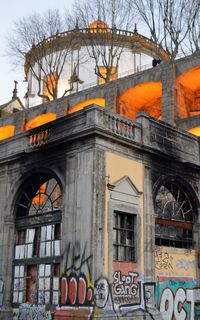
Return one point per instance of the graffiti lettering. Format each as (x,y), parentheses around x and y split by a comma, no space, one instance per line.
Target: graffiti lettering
(124,285)
(179,304)
(163,260)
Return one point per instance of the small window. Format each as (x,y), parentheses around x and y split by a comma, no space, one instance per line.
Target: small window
(124,237)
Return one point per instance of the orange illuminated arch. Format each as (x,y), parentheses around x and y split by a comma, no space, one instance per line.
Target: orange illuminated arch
(98,101)
(195,131)
(188,93)
(6,132)
(40,120)
(143,97)
(190,79)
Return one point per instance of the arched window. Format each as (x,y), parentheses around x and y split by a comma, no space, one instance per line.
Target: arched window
(175,214)
(38,236)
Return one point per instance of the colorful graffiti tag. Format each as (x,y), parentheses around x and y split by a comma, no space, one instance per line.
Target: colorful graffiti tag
(177,299)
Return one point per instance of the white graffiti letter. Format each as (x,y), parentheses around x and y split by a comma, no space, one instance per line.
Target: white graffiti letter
(179,311)
(167,304)
(190,299)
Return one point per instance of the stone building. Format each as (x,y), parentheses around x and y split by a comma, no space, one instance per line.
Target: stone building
(100,202)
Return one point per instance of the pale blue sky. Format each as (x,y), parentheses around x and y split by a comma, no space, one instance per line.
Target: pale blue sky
(11,11)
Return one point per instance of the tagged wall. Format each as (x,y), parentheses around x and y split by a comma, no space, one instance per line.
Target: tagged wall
(177,294)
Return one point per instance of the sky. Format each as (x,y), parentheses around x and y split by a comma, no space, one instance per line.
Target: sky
(10,12)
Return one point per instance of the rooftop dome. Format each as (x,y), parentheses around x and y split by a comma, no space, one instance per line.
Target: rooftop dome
(98,24)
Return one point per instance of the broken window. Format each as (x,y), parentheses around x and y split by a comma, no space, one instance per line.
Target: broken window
(123,237)
(174,217)
(37,248)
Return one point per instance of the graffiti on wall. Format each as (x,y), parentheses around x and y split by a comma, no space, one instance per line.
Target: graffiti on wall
(1,292)
(125,288)
(32,312)
(75,258)
(163,260)
(177,295)
(177,299)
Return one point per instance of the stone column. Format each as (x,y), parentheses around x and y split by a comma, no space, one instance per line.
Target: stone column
(149,226)
(168,93)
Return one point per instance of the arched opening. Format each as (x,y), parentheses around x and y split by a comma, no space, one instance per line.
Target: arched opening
(188,93)
(83,104)
(40,120)
(36,265)
(7,132)
(143,97)
(175,214)
(195,131)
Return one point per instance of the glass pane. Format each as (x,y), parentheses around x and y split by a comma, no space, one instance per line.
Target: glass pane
(15,296)
(47,284)
(29,251)
(47,270)
(129,254)
(48,248)
(16,284)
(41,270)
(47,297)
(49,232)
(43,233)
(57,247)
(41,283)
(30,235)
(129,222)
(16,273)
(55,297)
(55,283)
(42,249)
(21,284)
(20,299)
(121,253)
(21,271)
(122,236)
(19,251)
(129,237)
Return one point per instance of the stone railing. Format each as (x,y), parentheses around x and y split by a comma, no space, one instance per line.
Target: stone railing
(38,137)
(121,127)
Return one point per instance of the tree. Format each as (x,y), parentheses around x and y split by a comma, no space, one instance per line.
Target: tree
(168,21)
(37,40)
(99,28)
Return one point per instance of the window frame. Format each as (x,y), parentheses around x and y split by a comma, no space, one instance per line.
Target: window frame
(118,229)
(31,222)
(172,230)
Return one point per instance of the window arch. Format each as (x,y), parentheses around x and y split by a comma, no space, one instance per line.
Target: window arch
(175,214)
(38,238)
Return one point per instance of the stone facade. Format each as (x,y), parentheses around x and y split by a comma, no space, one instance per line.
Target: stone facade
(108,169)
